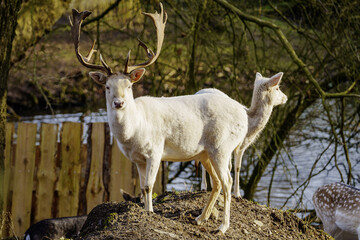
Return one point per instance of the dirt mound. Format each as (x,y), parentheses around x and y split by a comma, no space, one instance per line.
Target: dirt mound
(174,215)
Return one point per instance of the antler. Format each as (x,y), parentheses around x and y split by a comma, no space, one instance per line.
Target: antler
(75,24)
(159,22)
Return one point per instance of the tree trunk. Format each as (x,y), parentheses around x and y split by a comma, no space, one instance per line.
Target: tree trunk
(191,85)
(8,21)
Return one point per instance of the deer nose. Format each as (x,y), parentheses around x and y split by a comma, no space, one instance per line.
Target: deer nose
(118,103)
(285,99)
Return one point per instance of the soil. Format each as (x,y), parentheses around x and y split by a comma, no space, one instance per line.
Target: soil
(174,215)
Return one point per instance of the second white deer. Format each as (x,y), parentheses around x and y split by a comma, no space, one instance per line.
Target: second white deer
(205,127)
(266,95)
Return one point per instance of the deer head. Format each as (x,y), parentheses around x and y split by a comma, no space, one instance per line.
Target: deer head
(268,90)
(118,85)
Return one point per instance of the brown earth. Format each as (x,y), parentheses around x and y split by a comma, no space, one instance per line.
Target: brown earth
(174,215)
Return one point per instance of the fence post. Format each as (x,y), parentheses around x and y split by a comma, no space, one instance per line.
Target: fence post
(95,187)
(120,174)
(68,186)
(46,174)
(23,176)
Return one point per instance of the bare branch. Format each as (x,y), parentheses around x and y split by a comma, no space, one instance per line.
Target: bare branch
(288,47)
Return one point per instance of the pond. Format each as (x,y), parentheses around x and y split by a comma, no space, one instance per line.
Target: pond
(291,172)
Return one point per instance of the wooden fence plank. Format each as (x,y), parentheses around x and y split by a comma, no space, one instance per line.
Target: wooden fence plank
(95,187)
(46,174)
(68,186)
(24,176)
(121,176)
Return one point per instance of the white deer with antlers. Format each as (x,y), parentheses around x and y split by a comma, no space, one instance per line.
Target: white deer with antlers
(148,130)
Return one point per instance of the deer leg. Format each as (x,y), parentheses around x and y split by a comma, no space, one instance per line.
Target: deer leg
(226,185)
(142,173)
(221,166)
(152,168)
(203,178)
(214,192)
(331,228)
(238,159)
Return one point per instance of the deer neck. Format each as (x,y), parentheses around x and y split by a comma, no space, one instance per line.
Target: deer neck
(123,122)
(258,116)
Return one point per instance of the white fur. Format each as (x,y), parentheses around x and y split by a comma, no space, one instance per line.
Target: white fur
(338,207)
(266,95)
(204,127)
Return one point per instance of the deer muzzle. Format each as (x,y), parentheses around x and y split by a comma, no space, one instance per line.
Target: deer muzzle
(118,103)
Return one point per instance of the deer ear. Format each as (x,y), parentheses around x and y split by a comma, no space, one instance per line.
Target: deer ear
(275,80)
(98,77)
(137,74)
(258,75)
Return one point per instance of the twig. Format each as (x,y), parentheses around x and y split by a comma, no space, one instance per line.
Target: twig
(103,14)
(345,147)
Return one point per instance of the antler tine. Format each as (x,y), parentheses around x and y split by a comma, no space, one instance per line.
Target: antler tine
(159,22)
(108,69)
(92,50)
(127,62)
(75,23)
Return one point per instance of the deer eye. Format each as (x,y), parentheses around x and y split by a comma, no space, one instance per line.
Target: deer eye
(107,88)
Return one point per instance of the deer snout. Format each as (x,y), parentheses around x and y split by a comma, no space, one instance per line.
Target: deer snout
(118,103)
(284,99)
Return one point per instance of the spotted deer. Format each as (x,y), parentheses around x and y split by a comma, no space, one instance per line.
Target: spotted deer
(204,127)
(338,207)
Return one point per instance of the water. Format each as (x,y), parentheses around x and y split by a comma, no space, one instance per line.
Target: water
(85,118)
(293,168)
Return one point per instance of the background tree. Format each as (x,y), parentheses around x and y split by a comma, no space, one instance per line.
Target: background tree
(22,25)
(8,21)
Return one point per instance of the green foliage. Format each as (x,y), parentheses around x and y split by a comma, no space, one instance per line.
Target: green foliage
(110,219)
(35,19)
(154,195)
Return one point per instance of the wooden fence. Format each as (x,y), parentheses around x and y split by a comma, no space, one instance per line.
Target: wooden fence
(47,178)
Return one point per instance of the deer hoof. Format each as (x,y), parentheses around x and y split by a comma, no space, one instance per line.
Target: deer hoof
(199,220)
(222,229)
(217,232)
